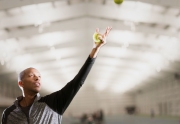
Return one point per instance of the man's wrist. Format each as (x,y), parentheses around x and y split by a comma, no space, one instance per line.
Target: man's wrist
(97,46)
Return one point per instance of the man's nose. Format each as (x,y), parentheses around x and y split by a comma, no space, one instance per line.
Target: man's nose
(37,78)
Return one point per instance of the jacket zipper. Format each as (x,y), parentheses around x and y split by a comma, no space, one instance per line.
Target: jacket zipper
(25,115)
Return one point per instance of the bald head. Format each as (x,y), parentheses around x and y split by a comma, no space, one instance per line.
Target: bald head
(22,73)
(29,80)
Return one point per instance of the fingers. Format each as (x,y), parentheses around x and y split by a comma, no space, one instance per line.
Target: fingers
(99,35)
(108,29)
(97,30)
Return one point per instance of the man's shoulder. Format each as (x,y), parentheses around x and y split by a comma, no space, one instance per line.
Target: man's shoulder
(9,109)
(6,112)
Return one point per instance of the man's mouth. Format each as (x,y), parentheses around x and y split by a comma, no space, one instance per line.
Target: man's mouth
(37,84)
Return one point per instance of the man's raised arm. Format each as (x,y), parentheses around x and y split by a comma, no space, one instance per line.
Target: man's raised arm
(60,100)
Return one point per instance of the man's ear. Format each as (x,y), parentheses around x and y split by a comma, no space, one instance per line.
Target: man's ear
(20,83)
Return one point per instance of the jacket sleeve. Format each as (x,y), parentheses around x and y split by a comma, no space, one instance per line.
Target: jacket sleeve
(60,100)
(5,114)
(2,119)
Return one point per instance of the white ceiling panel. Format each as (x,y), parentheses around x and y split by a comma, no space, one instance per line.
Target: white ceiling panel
(56,38)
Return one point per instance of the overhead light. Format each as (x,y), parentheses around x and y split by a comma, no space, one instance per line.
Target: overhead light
(54,53)
(131,24)
(42,25)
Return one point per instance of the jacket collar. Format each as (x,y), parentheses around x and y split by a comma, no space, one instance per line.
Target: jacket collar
(18,99)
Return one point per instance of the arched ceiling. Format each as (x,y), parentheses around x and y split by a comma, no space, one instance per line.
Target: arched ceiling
(55,36)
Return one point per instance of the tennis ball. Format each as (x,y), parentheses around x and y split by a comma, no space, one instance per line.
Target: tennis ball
(118,1)
(96,37)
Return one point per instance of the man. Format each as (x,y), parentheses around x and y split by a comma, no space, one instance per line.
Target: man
(33,109)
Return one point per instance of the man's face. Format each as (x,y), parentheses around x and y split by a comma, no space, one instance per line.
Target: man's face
(31,80)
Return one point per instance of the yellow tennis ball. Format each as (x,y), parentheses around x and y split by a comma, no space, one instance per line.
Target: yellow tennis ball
(96,37)
(118,1)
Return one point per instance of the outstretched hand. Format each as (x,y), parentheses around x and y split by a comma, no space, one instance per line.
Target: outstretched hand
(102,37)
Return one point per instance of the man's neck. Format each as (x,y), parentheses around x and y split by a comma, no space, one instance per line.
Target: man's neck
(27,100)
